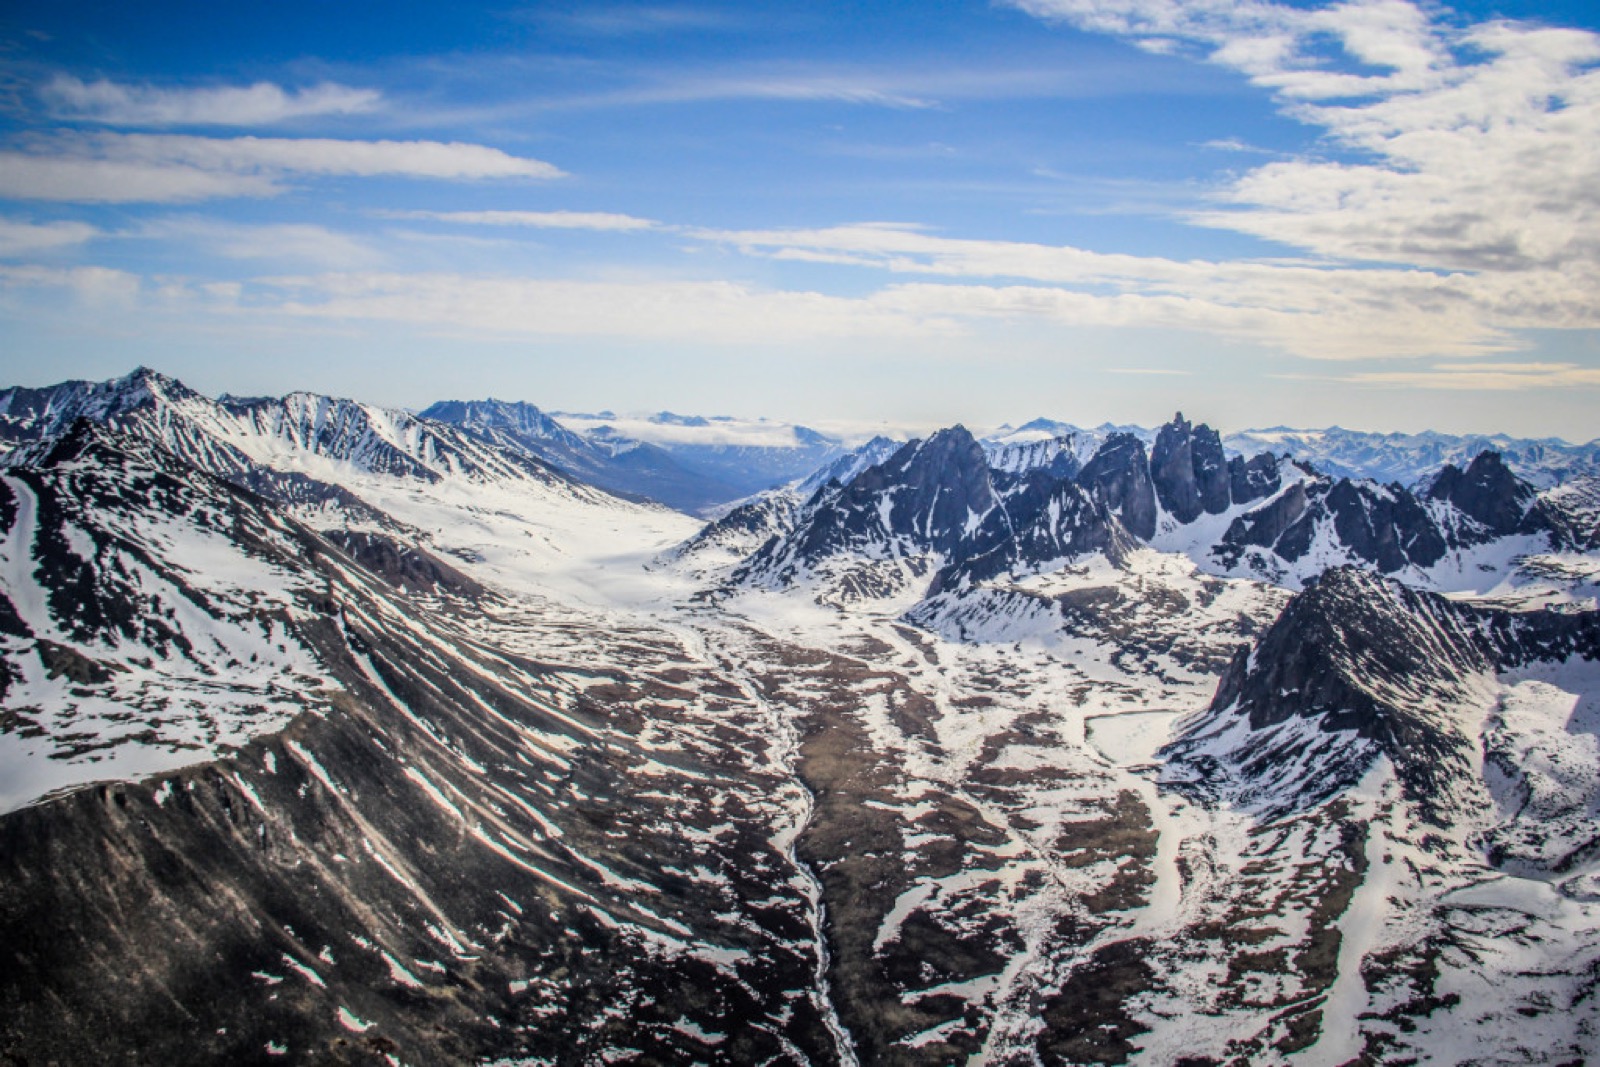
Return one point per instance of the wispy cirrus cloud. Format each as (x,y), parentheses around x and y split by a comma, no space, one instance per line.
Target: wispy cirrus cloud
(713,312)
(99,286)
(260,104)
(546,220)
(296,244)
(864,88)
(169,168)
(632,20)
(18,238)
(1486,377)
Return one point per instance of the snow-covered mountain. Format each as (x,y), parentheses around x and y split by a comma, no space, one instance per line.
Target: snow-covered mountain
(933,513)
(333,734)
(924,516)
(1407,459)
(318,436)
(626,467)
(1412,458)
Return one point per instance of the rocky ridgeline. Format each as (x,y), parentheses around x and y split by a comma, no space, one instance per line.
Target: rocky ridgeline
(635,469)
(944,505)
(1359,666)
(940,499)
(384,834)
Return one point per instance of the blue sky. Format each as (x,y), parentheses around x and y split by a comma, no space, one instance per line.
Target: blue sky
(1376,213)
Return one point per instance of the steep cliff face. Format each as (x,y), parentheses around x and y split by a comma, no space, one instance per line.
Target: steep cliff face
(1189,470)
(1487,492)
(1040,520)
(1118,476)
(939,506)
(1320,520)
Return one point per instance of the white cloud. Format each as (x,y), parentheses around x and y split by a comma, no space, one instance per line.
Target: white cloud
(554,220)
(631,20)
(712,312)
(168,168)
(1312,309)
(287,243)
(1340,330)
(27,238)
(801,85)
(1481,144)
(76,179)
(321,155)
(1486,377)
(726,312)
(260,104)
(90,285)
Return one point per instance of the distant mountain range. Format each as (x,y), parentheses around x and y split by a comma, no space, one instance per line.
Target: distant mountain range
(1380,457)
(1410,458)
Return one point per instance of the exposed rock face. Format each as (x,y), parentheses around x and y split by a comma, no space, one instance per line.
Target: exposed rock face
(921,500)
(1057,456)
(1189,471)
(742,530)
(1385,526)
(931,487)
(1364,656)
(939,498)
(1041,519)
(31,414)
(1486,491)
(404,566)
(415,842)
(1119,477)
(1255,478)
(1571,514)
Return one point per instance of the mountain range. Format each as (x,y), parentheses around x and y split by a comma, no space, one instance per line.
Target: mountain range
(339,734)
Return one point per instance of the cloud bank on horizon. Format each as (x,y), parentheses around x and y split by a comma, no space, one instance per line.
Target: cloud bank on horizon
(1356,205)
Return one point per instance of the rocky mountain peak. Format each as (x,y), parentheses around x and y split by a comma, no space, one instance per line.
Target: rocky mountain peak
(26,414)
(931,487)
(518,418)
(1118,475)
(1189,470)
(1355,654)
(1487,491)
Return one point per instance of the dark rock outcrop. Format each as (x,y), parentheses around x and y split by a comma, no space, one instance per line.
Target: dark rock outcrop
(445,853)
(1189,470)
(1118,476)
(1255,478)
(1362,655)
(940,498)
(1486,491)
(1042,519)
